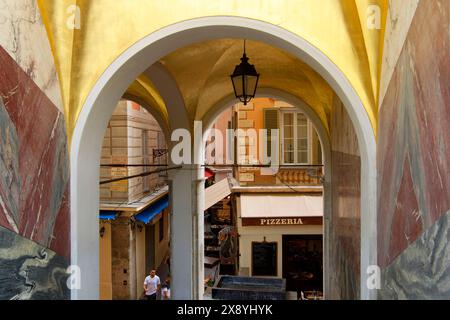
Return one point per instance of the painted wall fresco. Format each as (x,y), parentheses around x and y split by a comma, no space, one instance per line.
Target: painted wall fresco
(34,162)
(413,166)
(345,222)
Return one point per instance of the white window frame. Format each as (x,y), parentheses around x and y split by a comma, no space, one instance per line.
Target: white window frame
(309,137)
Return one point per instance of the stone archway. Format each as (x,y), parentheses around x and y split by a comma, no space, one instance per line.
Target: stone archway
(324,138)
(99,105)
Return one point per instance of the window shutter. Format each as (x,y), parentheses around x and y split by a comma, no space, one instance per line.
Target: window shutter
(270,119)
(270,122)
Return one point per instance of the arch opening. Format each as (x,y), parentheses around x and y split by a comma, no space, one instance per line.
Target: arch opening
(98,107)
(324,140)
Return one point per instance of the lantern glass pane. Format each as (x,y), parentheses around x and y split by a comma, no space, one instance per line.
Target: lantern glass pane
(250,84)
(237,84)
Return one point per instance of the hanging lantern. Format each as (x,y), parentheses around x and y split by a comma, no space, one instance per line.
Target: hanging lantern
(245,80)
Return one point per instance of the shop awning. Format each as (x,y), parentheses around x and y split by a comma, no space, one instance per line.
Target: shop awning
(216,192)
(208,173)
(107,215)
(153,210)
(276,206)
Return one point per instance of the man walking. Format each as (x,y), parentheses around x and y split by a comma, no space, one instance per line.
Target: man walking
(152,285)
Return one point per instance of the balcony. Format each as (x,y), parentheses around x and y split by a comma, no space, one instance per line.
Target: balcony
(289,176)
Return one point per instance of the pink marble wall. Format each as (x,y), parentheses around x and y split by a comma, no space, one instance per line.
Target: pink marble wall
(414,145)
(345,222)
(34,190)
(34,162)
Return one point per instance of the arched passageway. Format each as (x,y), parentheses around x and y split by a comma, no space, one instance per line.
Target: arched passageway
(325,144)
(187,208)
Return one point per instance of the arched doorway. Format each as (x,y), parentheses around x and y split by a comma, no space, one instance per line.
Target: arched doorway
(324,139)
(98,107)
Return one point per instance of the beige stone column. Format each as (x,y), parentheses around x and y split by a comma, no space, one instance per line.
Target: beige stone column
(187,230)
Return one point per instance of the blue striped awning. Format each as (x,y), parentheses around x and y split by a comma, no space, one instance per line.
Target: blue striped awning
(108,215)
(153,210)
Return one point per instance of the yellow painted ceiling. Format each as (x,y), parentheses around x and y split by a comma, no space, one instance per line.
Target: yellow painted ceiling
(144,89)
(202,73)
(109,27)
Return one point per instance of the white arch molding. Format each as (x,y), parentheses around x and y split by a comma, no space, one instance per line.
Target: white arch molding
(99,105)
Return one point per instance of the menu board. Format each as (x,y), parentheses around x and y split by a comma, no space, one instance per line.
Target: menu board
(264,258)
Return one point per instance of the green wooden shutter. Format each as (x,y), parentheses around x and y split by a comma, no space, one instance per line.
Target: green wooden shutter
(270,122)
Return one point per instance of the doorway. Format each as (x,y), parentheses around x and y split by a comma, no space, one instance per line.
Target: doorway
(303,262)
(92,120)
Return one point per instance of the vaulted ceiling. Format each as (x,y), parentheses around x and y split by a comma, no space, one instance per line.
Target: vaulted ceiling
(202,71)
(104,29)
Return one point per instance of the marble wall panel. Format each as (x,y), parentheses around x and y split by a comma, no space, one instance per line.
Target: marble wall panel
(34,165)
(343,136)
(414,139)
(345,222)
(398,21)
(29,270)
(34,160)
(408,277)
(24,37)
(9,167)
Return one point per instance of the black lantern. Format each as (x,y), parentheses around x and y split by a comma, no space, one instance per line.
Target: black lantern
(245,80)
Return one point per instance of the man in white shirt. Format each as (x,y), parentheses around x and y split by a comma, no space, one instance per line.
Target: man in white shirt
(152,285)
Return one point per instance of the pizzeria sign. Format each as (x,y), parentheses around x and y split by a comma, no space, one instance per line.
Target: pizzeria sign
(281,221)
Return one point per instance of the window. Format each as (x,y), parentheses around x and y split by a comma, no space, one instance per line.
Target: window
(264,259)
(295,138)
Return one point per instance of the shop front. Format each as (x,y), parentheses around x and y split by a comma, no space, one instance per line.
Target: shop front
(280,235)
